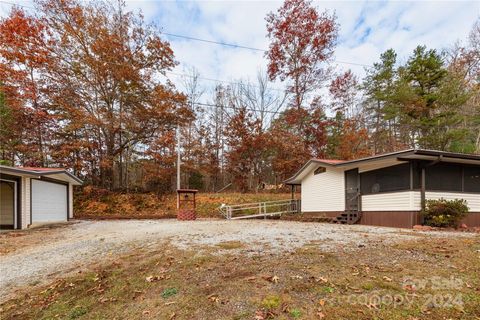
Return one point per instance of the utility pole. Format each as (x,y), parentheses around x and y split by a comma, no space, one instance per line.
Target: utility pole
(178,165)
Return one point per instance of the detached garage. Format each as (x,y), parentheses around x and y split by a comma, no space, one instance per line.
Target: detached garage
(35,195)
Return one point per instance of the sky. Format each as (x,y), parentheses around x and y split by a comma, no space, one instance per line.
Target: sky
(366,30)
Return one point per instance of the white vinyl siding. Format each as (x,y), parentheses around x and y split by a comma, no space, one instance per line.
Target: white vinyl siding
(473,200)
(390,201)
(324,191)
(411,200)
(49,201)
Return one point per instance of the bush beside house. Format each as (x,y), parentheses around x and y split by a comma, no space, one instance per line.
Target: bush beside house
(445,213)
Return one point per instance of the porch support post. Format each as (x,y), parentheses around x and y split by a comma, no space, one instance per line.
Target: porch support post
(422,193)
(292,187)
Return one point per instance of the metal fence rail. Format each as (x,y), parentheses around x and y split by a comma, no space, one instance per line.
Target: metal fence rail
(259,209)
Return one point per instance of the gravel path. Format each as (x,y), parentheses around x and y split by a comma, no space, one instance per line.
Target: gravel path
(76,246)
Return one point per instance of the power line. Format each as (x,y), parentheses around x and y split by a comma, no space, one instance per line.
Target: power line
(203,104)
(248,48)
(234,108)
(214,42)
(237,46)
(223,81)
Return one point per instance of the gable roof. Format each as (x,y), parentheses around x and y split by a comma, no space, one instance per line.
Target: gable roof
(403,155)
(41,172)
(329,161)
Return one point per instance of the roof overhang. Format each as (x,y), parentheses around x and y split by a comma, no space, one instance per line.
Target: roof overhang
(59,174)
(441,156)
(307,167)
(404,155)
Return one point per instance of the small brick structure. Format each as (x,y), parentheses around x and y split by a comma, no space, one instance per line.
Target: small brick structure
(186,204)
(185,214)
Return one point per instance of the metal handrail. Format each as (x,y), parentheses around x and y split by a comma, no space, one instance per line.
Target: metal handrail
(260,209)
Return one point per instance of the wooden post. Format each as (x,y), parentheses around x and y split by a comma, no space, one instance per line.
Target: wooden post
(292,187)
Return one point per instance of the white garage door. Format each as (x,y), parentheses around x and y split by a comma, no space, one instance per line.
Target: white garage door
(49,201)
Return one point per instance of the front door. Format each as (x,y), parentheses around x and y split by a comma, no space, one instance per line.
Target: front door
(352,188)
(7,204)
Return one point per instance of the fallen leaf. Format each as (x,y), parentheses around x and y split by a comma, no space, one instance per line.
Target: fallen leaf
(214,298)
(153,278)
(273,278)
(387,279)
(259,315)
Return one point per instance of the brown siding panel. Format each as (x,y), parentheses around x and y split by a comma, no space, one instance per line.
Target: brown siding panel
(472,220)
(396,219)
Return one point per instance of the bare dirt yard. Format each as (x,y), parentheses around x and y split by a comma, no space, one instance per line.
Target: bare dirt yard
(213,269)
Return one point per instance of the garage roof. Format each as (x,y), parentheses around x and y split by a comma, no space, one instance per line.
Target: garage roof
(37,172)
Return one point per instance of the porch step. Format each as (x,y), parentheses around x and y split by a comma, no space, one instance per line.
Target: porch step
(348,217)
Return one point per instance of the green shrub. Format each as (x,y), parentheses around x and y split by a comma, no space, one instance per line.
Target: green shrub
(445,213)
(167,293)
(77,312)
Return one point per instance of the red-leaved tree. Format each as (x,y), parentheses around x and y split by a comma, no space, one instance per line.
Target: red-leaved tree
(302,40)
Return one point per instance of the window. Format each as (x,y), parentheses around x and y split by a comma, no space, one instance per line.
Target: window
(444,177)
(320,170)
(388,179)
(471,179)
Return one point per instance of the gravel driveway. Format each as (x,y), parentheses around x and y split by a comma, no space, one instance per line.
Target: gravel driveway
(60,251)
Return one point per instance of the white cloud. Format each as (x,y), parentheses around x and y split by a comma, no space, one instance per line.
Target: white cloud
(366,30)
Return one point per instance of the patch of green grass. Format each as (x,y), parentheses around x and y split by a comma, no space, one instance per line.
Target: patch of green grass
(296,313)
(271,302)
(169,292)
(327,289)
(77,312)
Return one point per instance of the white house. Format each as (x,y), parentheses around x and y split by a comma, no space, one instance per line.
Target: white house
(35,195)
(389,189)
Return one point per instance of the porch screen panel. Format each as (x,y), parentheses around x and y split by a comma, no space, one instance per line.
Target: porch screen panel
(471,179)
(444,177)
(388,179)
